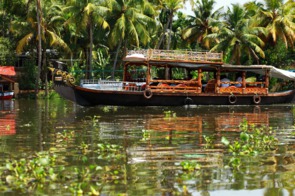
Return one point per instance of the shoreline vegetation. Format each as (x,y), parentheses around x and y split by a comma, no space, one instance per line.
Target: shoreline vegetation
(95,35)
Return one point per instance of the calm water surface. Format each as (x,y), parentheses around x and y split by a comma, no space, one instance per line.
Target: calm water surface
(154,142)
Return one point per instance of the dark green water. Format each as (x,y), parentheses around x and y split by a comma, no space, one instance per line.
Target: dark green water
(153,145)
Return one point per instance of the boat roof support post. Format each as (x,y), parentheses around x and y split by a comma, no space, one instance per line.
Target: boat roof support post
(125,72)
(217,81)
(267,78)
(200,75)
(148,74)
(218,78)
(167,77)
(243,79)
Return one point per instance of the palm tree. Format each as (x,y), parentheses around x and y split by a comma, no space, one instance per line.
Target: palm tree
(41,31)
(131,24)
(238,38)
(88,15)
(39,35)
(278,18)
(205,22)
(169,8)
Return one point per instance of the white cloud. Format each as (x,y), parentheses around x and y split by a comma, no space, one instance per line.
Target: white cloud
(218,4)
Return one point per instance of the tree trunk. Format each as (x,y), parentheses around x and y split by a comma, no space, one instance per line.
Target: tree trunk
(39,47)
(44,68)
(163,35)
(170,30)
(90,49)
(116,59)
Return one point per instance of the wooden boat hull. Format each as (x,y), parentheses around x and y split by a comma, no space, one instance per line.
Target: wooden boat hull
(91,97)
(6,95)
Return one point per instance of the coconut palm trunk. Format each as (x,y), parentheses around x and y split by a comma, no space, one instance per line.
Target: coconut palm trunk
(116,58)
(170,31)
(90,49)
(39,47)
(44,70)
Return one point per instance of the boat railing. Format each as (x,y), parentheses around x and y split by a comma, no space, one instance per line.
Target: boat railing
(179,55)
(98,84)
(180,86)
(250,88)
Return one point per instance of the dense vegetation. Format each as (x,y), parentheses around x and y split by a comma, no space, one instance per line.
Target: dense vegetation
(95,34)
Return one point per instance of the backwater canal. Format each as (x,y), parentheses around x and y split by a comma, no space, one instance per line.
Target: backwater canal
(54,147)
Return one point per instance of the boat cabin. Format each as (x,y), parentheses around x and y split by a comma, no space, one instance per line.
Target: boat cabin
(8,80)
(191,72)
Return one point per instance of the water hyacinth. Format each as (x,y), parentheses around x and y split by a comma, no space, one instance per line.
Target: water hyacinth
(252,141)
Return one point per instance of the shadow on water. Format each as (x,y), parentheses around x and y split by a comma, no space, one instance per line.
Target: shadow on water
(156,142)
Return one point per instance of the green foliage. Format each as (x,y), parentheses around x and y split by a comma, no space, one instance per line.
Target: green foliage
(169,114)
(190,166)
(27,79)
(43,169)
(27,172)
(252,141)
(146,135)
(6,55)
(278,55)
(69,26)
(209,140)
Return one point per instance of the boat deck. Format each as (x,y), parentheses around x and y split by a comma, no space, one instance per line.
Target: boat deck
(175,55)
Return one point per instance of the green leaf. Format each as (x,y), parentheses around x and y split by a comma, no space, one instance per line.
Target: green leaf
(225,141)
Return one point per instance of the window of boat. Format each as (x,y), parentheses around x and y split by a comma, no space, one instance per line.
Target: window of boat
(158,73)
(136,73)
(172,73)
(179,73)
(208,75)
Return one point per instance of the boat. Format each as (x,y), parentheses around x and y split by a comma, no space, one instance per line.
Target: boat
(176,77)
(6,95)
(6,82)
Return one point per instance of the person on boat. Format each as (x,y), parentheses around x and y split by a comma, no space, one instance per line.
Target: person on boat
(225,82)
(239,80)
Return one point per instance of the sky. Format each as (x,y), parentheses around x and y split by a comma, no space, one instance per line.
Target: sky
(218,4)
(227,3)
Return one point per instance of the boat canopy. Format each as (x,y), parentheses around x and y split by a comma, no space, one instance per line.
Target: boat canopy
(205,60)
(7,71)
(260,69)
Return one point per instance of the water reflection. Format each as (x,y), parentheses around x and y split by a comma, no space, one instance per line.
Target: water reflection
(156,145)
(7,118)
(155,142)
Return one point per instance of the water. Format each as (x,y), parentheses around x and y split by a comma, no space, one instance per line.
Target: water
(150,146)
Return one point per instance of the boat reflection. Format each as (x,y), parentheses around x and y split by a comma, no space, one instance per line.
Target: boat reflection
(177,137)
(7,118)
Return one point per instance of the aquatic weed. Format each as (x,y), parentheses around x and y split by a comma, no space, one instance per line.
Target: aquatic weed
(169,114)
(253,140)
(26,172)
(209,140)
(93,120)
(146,135)
(190,166)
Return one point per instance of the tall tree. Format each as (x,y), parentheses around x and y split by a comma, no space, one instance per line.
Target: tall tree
(39,48)
(238,38)
(88,15)
(279,20)
(168,10)
(132,21)
(204,22)
(41,32)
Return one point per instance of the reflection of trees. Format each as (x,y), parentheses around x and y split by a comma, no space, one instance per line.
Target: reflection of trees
(170,142)
(153,146)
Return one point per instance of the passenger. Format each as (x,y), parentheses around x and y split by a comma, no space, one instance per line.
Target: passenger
(226,80)
(239,79)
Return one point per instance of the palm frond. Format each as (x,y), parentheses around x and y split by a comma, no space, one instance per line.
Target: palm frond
(55,40)
(24,42)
